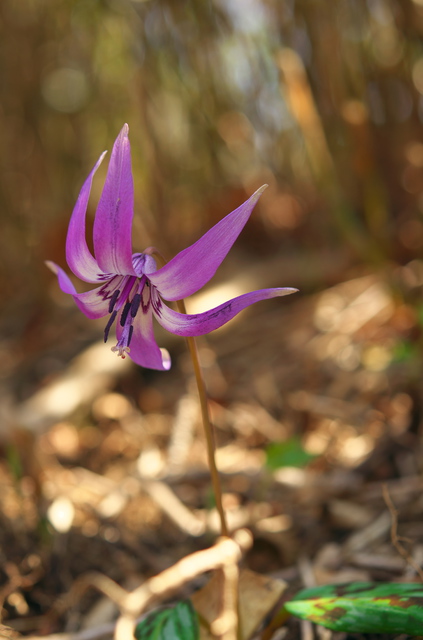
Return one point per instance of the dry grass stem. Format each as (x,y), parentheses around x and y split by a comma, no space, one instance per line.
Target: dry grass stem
(169,502)
(395,538)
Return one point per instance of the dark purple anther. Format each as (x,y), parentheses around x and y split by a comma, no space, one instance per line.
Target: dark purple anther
(124,315)
(109,324)
(113,299)
(135,304)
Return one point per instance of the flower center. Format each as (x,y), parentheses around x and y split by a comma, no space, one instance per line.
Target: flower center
(129,293)
(125,305)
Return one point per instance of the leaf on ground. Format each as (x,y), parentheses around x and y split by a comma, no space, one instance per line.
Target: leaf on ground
(287,454)
(173,623)
(257,596)
(362,607)
(7,633)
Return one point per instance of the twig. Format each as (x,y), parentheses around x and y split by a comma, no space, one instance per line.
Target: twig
(95,633)
(226,552)
(99,581)
(309,580)
(226,625)
(395,538)
(169,502)
(17,581)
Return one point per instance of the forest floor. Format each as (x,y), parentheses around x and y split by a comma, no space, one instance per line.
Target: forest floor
(316,403)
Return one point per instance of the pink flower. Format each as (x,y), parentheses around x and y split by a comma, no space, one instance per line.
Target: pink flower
(131,287)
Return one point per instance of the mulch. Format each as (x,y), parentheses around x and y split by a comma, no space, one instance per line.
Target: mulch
(104,468)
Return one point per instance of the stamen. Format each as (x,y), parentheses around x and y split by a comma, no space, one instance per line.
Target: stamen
(135,304)
(125,314)
(131,331)
(113,299)
(109,325)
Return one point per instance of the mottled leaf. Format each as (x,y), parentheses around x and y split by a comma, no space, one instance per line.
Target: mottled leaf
(287,454)
(173,623)
(362,607)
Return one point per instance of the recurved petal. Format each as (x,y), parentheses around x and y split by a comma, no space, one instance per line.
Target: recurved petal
(78,256)
(92,303)
(113,220)
(188,271)
(201,323)
(143,348)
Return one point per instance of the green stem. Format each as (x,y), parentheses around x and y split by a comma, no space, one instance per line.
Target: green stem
(208,429)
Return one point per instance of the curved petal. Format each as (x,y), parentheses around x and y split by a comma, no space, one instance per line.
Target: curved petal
(201,323)
(113,219)
(94,303)
(78,256)
(188,271)
(143,348)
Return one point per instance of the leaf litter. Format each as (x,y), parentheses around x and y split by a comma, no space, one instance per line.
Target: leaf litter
(113,478)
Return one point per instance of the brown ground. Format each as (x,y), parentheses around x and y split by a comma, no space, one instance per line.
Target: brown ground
(106,469)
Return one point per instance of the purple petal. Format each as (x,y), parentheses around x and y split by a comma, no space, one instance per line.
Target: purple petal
(113,220)
(201,323)
(188,271)
(143,347)
(95,303)
(78,256)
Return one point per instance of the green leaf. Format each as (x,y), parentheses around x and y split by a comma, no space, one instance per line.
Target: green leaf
(404,351)
(173,623)
(287,454)
(15,462)
(420,314)
(362,607)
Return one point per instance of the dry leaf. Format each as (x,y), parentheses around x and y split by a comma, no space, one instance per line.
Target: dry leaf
(257,596)
(6,633)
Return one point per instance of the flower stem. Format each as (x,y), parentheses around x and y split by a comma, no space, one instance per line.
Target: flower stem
(208,429)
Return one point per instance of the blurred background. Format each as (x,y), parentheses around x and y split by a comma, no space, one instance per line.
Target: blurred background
(323,101)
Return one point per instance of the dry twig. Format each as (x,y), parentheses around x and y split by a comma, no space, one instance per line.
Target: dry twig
(225,553)
(395,538)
